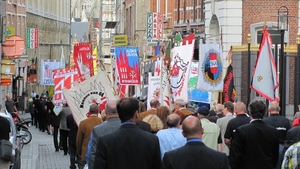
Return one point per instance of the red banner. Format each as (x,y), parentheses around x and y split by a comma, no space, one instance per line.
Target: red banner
(64,79)
(83,60)
(128,65)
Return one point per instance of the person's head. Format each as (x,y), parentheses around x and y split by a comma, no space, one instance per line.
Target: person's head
(162,112)
(228,107)
(179,103)
(103,115)
(192,128)
(50,99)
(94,109)
(127,108)
(297,115)
(274,107)
(154,103)
(7,96)
(173,120)
(219,108)
(239,108)
(111,108)
(37,96)
(203,112)
(257,109)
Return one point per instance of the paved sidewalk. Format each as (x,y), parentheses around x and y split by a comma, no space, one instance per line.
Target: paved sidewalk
(40,152)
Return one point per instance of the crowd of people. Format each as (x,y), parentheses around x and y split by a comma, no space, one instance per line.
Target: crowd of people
(128,135)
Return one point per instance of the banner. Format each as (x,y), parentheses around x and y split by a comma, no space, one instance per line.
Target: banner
(154,30)
(182,58)
(96,89)
(120,90)
(153,89)
(210,68)
(83,60)
(265,80)
(128,65)
(229,93)
(32,38)
(62,58)
(95,61)
(193,93)
(64,79)
(165,99)
(46,75)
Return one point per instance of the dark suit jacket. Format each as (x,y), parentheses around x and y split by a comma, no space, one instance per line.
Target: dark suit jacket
(128,148)
(195,155)
(144,126)
(256,146)
(292,136)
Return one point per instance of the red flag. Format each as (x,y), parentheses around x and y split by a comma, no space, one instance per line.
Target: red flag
(83,59)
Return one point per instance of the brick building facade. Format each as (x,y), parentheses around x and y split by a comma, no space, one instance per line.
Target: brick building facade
(256,13)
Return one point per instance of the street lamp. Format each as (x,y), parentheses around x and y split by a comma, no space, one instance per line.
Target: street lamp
(283,14)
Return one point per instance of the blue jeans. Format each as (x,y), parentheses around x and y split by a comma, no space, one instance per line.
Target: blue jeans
(280,157)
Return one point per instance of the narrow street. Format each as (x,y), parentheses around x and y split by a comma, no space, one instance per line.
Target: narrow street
(40,152)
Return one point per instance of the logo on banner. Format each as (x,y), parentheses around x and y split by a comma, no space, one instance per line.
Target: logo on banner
(212,67)
(179,71)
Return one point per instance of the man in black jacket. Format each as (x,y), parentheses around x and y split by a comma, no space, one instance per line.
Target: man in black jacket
(256,144)
(128,147)
(194,154)
(72,140)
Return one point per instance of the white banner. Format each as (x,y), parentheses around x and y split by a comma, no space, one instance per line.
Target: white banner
(181,60)
(264,80)
(165,99)
(96,89)
(210,68)
(153,89)
(46,75)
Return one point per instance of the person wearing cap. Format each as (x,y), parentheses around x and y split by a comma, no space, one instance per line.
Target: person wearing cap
(194,154)
(233,124)
(256,144)
(128,146)
(212,134)
(180,105)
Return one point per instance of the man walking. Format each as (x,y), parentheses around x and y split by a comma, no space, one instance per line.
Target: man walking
(171,138)
(128,147)
(10,104)
(83,135)
(212,135)
(194,154)
(281,124)
(222,123)
(72,140)
(233,124)
(112,124)
(255,144)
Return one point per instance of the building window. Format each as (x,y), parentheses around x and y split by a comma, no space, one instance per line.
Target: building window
(8,19)
(275,36)
(19,25)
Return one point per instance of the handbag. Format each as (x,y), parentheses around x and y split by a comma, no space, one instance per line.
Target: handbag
(5,150)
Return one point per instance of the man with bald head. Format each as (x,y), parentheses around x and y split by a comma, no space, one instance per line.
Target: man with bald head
(180,105)
(171,138)
(10,104)
(188,155)
(282,125)
(241,119)
(154,104)
(112,124)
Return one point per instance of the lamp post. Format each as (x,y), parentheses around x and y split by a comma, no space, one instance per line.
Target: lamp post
(283,13)
(297,76)
(249,65)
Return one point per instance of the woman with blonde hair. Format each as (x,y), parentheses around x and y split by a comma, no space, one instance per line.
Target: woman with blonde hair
(162,113)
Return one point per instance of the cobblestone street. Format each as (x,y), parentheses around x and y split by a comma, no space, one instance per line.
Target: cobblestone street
(40,152)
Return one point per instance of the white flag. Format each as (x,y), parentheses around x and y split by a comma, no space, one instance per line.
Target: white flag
(264,80)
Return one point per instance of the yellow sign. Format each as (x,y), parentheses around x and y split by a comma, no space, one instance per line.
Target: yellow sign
(10,31)
(120,40)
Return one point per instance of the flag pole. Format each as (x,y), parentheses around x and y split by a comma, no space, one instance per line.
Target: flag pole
(249,72)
